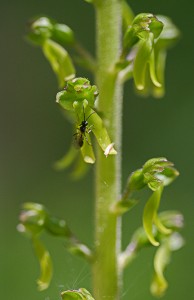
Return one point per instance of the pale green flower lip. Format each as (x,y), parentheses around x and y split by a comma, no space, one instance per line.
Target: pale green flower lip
(110,150)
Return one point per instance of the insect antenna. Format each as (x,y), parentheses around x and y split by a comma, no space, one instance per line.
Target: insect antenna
(84,114)
(90,115)
(85,119)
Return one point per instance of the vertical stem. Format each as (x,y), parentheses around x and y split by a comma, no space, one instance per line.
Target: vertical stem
(108,170)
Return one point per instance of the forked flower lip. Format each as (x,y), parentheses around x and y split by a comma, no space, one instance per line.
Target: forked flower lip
(89,160)
(110,150)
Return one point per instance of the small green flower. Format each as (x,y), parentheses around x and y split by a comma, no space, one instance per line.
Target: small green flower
(44,28)
(81,294)
(155,172)
(52,37)
(79,97)
(144,47)
(77,91)
(32,218)
(142,25)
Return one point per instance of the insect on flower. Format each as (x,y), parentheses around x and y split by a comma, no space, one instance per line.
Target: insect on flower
(82,131)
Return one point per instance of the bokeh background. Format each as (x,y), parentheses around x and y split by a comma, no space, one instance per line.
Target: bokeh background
(34,133)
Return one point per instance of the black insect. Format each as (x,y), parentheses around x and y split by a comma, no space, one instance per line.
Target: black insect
(82,130)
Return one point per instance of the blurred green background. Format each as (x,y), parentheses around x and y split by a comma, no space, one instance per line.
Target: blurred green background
(34,134)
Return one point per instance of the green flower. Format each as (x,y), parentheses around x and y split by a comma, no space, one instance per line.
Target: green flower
(78,97)
(44,28)
(144,47)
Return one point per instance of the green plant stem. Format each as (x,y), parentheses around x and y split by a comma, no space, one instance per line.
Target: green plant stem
(106,276)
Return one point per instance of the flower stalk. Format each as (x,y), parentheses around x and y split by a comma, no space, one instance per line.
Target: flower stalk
(106,277)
